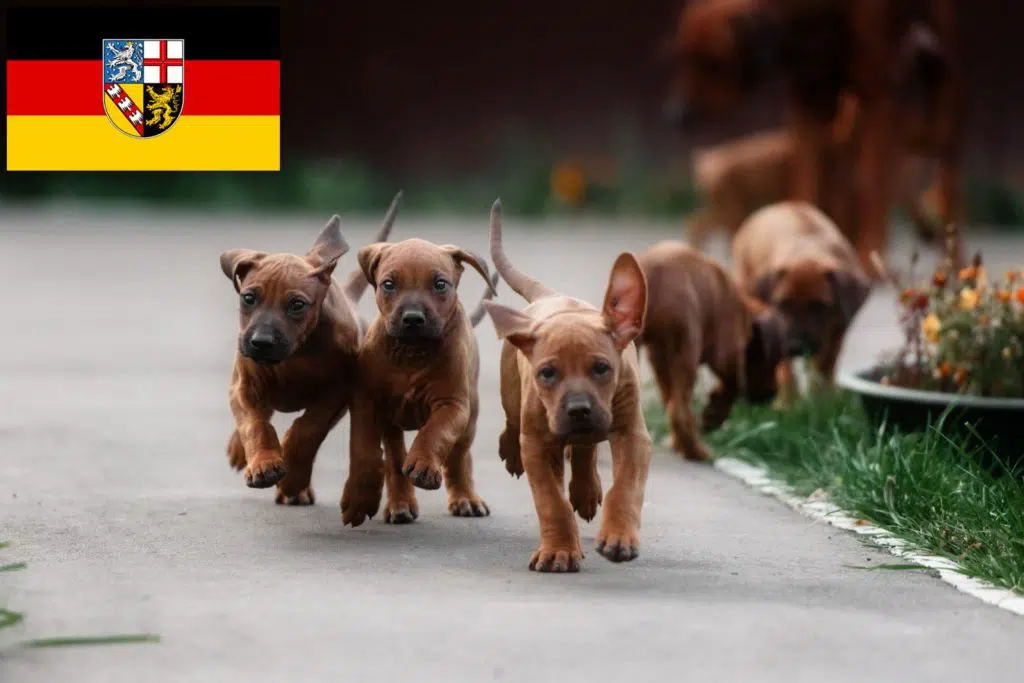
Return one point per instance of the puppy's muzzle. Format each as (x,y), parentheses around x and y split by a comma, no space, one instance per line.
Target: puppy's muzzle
(414,322)
(580,416)
(265,345)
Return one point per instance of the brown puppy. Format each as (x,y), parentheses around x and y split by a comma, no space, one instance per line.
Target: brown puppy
(569,381)
(791,256)
(900,59)
(419,368)
(298,338)
(697,314)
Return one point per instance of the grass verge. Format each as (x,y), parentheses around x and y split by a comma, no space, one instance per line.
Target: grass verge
(921,487)
(10,618)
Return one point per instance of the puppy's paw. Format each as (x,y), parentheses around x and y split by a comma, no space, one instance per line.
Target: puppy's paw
(556,560)
(618,544)
(508,451)
(302,497)
(403,513)
(697,452)
(467,505)
(236,452)
(264,471)
(585,497)
(423,473)
(359,501)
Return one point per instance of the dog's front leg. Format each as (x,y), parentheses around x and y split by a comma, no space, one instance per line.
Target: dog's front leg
(447,422)
(364,486)
(560,549)
(265,465)
(585,484)
(300,446)
(401,506)
(619,537)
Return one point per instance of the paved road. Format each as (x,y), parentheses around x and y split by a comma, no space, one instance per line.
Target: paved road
(116,353)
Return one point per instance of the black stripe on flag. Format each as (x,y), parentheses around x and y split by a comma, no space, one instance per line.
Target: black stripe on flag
(214,32)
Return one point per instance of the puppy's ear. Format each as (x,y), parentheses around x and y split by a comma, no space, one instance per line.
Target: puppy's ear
(764,287)
(513,326)
(369,258)
(850,290)
(236,264)
(329,246)
(461,256)
(625,300)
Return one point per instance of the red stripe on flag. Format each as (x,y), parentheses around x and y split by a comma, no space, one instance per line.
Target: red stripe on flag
(212,88)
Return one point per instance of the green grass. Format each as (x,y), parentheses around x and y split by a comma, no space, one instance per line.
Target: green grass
(921,487)
(10,618)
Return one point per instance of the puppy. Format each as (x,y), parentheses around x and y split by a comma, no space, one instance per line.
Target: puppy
(419,368)
(569,381)
(697,314)
(792,257)
(298,339)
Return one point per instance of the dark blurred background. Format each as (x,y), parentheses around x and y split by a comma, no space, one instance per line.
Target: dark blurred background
(459,101)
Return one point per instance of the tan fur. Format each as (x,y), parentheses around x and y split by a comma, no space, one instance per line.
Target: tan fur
(312,358)
(696,314)
(423,378)
(793,257)
(569,380)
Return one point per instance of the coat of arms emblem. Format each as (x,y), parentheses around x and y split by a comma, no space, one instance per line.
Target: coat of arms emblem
(143,84)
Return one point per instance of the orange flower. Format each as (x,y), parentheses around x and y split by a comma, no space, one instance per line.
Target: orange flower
(1012,275)
(1020,295)
(945,368)
(984,320)
(960,376)
(568,184)
(940,278)
(969,273)
(1003,295)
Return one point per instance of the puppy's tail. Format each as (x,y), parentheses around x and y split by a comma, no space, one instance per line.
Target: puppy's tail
(356,283)
(479,312)
(521,283)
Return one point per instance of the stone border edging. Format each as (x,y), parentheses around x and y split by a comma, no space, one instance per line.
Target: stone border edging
(758,478)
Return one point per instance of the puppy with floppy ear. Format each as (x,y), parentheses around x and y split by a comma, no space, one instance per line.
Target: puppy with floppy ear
(792,257)
(696,314)
(569,380)
(297,344)
(419,368)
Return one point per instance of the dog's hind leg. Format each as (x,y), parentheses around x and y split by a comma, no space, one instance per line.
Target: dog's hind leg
(585,484)
(300,446)
(721,400)
(508,442)
(685,434)
(401,506)
(463,500)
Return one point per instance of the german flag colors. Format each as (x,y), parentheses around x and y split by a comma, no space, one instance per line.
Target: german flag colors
(143,89)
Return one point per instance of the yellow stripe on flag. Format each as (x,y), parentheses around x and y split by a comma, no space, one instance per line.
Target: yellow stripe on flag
(195,143)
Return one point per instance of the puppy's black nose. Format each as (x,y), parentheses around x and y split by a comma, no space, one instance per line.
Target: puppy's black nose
(414,318)
(578,408)
(262,340)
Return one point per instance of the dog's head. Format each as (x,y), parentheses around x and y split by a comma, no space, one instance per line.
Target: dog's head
(575,355)
(281,294)
(766,348)
(415,283)
(720,52)
(813,297)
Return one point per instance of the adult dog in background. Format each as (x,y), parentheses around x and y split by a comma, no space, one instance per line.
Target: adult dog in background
(901,60)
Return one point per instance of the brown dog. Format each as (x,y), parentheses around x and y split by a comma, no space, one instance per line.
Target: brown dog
(297,345)
(569,380)
(738,177)
(898,58)
(697,314)
(791,256)
(419,368)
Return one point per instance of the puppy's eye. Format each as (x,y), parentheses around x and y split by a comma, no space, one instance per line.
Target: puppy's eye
(249,299)
(601,368)
(296,306)
(388,285)
(547,374)
(441,285)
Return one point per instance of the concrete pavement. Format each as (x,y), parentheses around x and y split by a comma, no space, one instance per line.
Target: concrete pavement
(119,332)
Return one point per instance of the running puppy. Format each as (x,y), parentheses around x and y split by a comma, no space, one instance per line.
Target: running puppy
(419,369)
(569,381)
(792,257)
(697,314)
(298,338)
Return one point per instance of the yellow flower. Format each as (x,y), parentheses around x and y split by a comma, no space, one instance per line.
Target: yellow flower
(968,298)
(1007,352)
(930,328)
(569,184)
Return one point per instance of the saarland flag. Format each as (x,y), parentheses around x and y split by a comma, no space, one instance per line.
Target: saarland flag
(143,89)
